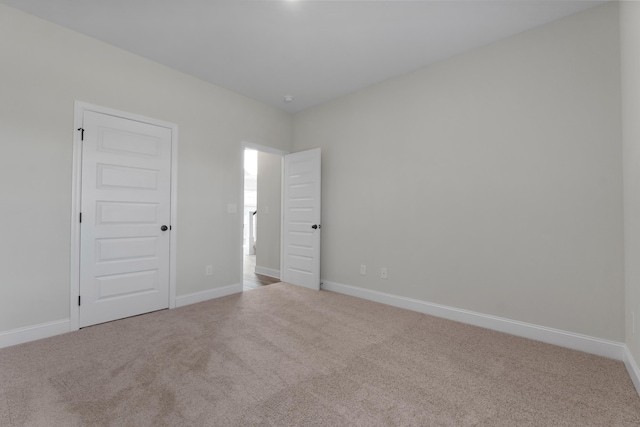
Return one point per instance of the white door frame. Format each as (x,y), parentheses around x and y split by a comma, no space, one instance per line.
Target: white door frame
(76,192)
(264,149)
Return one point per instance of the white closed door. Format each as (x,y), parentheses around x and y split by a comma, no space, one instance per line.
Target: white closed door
(125,220)
(301,219)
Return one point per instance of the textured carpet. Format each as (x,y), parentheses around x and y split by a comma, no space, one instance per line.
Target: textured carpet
(287,356)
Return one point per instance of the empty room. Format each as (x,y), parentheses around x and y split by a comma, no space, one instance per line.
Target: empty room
(450,234)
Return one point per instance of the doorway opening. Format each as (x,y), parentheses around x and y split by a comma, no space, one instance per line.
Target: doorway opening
(261,215)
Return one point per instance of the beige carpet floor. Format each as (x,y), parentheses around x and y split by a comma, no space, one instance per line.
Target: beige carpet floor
(286,356)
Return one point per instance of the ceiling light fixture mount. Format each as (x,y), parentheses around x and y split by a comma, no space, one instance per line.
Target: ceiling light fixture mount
(288,99)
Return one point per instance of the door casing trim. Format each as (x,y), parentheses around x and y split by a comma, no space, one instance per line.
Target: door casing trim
(76,192)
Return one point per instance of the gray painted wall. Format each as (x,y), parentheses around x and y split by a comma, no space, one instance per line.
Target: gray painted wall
(45,68)
(269,210)
(630,38)
(490,182)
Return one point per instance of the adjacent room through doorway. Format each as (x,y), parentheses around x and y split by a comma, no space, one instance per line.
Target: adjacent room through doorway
(261,218)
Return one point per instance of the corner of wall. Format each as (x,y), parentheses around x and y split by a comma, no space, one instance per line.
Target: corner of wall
(630,81)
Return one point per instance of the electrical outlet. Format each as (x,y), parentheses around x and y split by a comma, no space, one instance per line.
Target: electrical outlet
(209,270)
(383,273)
(363,269)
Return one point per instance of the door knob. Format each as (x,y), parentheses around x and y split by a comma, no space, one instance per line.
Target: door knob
(164,228)
(315,226)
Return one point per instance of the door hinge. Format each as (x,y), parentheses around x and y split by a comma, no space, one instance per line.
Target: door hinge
(78,300)
(80,216)
(81,134)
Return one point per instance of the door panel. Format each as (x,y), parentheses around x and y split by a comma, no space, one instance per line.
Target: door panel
(128,283)
(302,209)
(131,249)
(126,213)
(112,176)
(124,255)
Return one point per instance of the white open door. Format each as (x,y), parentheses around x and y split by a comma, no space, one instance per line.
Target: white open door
(301,219)
(126,213)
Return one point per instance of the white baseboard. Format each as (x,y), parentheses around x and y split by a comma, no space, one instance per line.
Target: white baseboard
(208,294)
(632,368)
(271,272)
(35,332)
(588,344)
(49,329)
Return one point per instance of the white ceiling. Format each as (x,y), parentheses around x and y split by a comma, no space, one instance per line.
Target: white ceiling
(312,50)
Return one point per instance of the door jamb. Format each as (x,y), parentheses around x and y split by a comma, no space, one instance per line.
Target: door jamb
(246,145)
(76,193)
